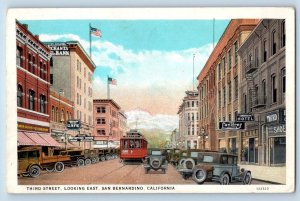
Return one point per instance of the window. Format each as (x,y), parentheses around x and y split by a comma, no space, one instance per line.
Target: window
(101,132)
(245,103)
(264,88)
(31,99)
(33,65)
(84,88)
(57,115)
(265,50)
(193,117)
(77,82)
(219,99)
(51,78)
(236,86)
(235,115)
(256,61)
(283,33)
(101,121)
(62,116)
(229,92)
(193,103)
(224,96)
(273,42)
(224,66)
(220,71)
(41,69)
(42,104)
(189,117)
(229,59)
(283,83)
(20,96)
(256,94)
(19,56)
(77,100)
(45,72)
(29,63)
(101,109)
(188,104)
(235,52)
(53,113)
(84,72)
(197,116)
(274,88)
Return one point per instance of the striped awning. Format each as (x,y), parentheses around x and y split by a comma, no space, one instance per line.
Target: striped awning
(33,138)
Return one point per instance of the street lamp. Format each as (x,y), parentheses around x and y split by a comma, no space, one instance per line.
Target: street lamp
(204,136)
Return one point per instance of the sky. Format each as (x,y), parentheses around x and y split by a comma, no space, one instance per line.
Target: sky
(152,60)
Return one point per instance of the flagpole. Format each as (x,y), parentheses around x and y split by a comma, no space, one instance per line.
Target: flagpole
(108,90)
(90,40)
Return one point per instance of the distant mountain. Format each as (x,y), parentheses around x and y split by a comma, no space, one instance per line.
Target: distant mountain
(144,120)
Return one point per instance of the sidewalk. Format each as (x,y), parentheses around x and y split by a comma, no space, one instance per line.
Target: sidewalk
(266,173)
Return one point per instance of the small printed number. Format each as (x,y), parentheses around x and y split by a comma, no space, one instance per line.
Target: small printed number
(263,188)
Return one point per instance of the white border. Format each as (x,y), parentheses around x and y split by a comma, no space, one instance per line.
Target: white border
(152,13)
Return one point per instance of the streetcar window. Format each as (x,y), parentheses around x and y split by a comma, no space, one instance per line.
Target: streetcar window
(131,143)
(125,144)
(137,143)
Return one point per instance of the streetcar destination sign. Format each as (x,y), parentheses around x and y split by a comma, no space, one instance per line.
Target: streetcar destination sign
(231,125)
(73,124)
(245,117)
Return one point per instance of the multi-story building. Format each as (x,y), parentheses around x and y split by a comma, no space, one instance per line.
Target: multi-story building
(188,121)
(218,87)
(262,93)
(123,123)
(71,72)
(174,138)
(107,122)
(33,89)
(62,110)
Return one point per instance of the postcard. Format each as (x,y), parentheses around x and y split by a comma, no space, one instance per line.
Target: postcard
(150,100)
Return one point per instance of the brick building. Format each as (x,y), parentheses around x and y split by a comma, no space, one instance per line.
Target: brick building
(218,87)
(33,89)
(262,94)
(107,117)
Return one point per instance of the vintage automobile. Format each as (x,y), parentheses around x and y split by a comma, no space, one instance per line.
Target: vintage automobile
(32,160)
(216,166)
(156,160)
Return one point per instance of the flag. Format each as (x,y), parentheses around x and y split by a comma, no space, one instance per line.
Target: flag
(112,81)
(95,32)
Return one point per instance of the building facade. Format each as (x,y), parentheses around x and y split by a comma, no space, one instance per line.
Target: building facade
(218,87)
(107,130)
(262,94)
(33,89)
(188,121)
(123,123)
(71,72)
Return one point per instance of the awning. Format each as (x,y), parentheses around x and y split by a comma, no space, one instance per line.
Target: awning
(33,138)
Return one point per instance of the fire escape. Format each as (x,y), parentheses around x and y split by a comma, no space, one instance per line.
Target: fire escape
(254,101)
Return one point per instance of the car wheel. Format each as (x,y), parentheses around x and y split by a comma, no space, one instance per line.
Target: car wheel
(59,167)
(107,157)
(102,158)
(247,179)
(94,160)
(199,175)
(189,163)
(34,171)
(224,179)
(181,161)
(80,162)
(88,161)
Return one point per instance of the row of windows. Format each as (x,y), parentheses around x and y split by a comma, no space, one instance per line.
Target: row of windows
(191,116)
(191,103)
(62,117)
(85,73)
(236,93)
(101,109)
(114,124)
(229,117)
(31,100)
(34,66)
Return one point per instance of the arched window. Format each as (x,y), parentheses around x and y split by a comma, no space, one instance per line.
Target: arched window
(67,116)
(20,96)
(62,116)
(42,104)
(53,113)
(56,115)
(19,56)
(283,33)
(31,100)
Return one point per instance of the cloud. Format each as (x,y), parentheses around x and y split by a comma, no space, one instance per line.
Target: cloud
(152,79)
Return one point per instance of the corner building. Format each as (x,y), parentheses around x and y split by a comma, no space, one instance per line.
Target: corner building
(218,88)
(262,94)
(33,89)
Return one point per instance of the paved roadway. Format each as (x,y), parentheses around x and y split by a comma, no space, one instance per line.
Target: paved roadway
(112,172)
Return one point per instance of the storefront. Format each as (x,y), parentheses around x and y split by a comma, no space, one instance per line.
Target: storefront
(276,135)
(249,152)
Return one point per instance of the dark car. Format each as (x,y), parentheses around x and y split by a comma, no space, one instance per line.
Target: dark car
(219,167)
(156,160)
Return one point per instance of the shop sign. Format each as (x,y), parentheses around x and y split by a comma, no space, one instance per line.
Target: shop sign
(73,124)
(81,138)
(276,116)
(232,125)
(59,49)
(277,129)
(245,117)
(30,127)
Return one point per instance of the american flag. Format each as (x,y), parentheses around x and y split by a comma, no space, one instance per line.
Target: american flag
(96,32)
(112,81)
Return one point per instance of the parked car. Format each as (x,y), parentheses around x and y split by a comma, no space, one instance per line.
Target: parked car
(219,167)
(156,160)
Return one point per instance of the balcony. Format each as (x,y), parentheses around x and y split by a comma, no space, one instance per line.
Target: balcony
(250,68)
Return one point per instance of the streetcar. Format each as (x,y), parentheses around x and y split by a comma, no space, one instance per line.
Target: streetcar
(133,146)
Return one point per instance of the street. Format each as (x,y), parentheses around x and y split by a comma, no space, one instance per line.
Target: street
(112,172)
